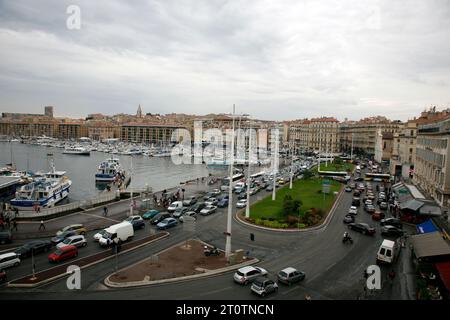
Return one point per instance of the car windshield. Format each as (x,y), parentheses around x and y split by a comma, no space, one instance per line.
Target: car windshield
(106,235)
(282,274)
(240,273)
(258,282)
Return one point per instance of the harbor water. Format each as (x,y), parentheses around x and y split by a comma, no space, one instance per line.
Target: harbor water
(157,172)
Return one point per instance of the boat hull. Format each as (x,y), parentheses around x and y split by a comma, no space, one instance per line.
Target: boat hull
(46,203)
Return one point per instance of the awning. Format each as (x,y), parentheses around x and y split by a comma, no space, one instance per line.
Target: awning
(398,184)
(444,273)
(415,192)
(430,210)
(412,204)
(430,245)
(426,227)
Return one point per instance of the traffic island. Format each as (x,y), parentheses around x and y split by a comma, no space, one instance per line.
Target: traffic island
(59,271)
(184,261)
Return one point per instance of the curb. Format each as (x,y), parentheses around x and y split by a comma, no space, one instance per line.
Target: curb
(207,273)
(324,224)
(45,281)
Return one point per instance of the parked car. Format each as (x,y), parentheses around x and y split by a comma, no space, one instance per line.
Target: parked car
(77,241)
(136,221)
(349,218)
(167,223)
(190,201)
(348,189)
(3,277)
(356,202)
(78,228)
(208,210)
(179,212)
(377,215)
(263,286)
(269,187)
(159,217)
(383,205)
(369,208)
(391,222)
(63,236)
(188,214)
(8,260)
(391,231)
(242,196)
(211,202)
(175,205)
(150,214)
(36,246)
(208,195)
(364,228)
(197,207)
(63,254)
(223,203)
(290,275)
(5,237)
(241,204)
(254,191)
(248,274)
(353,210)
(216,192)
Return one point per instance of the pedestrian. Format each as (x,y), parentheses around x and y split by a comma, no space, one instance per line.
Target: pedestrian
(15,225)
(38,209)
(105,211)
(391,276)
(42,226)
(16,212)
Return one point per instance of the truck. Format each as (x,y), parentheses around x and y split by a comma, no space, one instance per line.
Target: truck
(117,233)
(388,252)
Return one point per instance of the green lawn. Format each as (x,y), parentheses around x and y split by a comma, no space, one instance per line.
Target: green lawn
(333,167)
(304,190)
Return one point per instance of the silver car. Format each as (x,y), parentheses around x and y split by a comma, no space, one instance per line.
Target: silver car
(77,241)
(262,286)
(248,274)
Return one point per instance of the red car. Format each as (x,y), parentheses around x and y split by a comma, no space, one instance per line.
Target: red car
(63,253)
(377,216)
(2,276)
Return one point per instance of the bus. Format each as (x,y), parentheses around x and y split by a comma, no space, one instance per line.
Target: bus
(257,175)
(235,178)
(379,177)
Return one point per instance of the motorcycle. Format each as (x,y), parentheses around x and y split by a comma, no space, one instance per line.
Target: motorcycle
(211,252)
(347,239)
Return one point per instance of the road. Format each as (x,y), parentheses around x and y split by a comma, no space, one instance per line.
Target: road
(333,270)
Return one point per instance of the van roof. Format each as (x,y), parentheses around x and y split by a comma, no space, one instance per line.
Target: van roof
(112,229)
(388,243)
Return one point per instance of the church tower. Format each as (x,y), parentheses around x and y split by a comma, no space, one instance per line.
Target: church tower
(139,112)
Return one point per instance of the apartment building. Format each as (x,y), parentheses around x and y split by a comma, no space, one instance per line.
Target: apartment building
(404,150)
(432,168)
(100,130)
(363,134)
(383,146)
(148,133)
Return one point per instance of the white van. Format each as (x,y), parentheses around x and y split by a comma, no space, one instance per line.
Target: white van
(9,260)
(388,251)
(122,231)
(174,206)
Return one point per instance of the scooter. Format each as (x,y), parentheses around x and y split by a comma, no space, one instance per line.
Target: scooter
(211,252)
(348,238)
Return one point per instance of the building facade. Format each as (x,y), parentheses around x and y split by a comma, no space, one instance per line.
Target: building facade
(148,133)
(432,170)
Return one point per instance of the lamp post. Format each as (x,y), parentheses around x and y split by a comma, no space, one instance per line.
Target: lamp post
(247,208)
(275,154)
(131,194)
(230,195)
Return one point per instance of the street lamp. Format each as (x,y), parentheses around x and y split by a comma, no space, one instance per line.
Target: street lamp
(247,208)
(230,195)
(131,194)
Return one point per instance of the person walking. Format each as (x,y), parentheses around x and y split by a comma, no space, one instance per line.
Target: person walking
(15,225)
(391,276)
(105,211)
(42,226)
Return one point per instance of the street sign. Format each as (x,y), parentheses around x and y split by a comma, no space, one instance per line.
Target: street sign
(325,188)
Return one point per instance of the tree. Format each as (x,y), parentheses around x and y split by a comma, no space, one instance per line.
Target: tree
(307,174)
(291,206)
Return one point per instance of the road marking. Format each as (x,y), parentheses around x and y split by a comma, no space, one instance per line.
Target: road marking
(214,291)
(93,215)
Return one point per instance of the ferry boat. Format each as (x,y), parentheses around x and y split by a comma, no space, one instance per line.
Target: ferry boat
(44,192)
(108,170)
(77,150)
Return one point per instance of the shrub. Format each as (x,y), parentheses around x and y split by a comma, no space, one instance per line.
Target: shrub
(290,206)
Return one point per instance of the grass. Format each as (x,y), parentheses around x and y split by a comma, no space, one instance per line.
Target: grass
(305,190)
(334,167)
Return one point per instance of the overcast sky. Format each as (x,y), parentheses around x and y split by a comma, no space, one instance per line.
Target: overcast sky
(273,59)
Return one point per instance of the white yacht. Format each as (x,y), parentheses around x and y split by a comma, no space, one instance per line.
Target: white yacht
(77,150)
(44,192)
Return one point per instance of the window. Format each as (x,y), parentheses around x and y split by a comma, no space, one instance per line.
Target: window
(388,253)
(382,251)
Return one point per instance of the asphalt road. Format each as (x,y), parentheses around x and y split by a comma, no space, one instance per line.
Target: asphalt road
(333,270)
